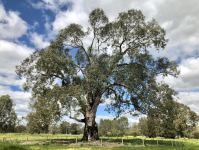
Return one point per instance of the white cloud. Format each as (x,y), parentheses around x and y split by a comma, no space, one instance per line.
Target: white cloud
(181,21)
(188,78)
(39,41)
(11,25)
(191,99)
(80,9)
(10,80)
(53,5)
(74,15)
(187,83)
(11,55)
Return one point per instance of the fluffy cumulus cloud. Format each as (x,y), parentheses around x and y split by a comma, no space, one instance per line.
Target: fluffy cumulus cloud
(12,52)
(11,25)
(38,40)
(11,55)
(190,99)
(180,19)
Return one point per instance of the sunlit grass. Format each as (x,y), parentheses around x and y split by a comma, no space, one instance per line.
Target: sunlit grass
(14,141)
(37,137)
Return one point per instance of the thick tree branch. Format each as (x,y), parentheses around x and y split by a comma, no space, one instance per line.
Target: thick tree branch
(78,120)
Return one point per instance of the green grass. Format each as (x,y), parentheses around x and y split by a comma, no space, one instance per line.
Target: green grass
(15,141)
(9,146)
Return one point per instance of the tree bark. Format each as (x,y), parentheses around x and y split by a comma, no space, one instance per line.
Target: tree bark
(90,128)
(90,132)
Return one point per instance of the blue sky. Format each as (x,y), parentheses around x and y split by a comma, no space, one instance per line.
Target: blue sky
(31,24)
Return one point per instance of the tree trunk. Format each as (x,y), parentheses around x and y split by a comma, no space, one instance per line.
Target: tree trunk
(90,132)
(90,128)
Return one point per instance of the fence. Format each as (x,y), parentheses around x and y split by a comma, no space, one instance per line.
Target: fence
(118,140)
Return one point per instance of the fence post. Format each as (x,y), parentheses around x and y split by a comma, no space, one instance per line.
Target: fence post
(101,142)
(157,143)
(143,142)
(172,143)
(76,140)
(122,141)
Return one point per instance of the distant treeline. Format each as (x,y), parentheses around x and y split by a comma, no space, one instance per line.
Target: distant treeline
(170,119)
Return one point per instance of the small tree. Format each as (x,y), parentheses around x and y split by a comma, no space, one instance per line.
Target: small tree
(7,114)
(111,60)
(44,113)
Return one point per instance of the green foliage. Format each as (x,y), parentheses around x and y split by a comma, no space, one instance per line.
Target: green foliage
(117,127)
(169,120)
(7,114)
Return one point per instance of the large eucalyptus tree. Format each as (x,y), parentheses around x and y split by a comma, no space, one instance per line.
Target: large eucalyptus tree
(83,67)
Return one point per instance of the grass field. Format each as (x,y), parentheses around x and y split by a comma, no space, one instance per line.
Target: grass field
(72,142)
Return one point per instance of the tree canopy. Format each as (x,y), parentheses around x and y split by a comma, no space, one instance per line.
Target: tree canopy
(169,120)
(44,113)
(83,67)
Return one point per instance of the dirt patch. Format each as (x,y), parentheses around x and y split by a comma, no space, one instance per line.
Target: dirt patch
(96,144)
